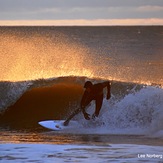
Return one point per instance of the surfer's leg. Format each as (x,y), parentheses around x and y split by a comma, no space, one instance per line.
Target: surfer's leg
(76,112)
(99,101)
(71,116)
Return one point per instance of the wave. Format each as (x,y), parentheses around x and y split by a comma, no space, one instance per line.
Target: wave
(140,111)
(133,108)
(11,92)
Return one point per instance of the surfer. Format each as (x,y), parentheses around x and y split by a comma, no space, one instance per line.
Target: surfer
(92,92)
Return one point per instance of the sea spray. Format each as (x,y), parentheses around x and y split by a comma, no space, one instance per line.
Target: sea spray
(140,110)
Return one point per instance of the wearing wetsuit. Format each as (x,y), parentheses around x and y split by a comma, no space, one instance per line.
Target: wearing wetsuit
(94,92)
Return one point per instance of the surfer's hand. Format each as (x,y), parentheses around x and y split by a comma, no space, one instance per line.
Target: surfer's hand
(86,116)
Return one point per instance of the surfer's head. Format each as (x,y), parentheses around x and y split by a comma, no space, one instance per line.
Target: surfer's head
(88,84)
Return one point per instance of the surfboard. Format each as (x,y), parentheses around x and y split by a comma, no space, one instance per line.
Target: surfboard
(57,125)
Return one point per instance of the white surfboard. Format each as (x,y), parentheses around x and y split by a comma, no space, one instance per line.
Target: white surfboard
(57,124)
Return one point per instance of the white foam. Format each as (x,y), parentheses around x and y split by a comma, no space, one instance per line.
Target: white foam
(116,153)
(137,113)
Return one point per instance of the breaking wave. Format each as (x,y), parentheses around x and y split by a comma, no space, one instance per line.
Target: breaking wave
(133,108)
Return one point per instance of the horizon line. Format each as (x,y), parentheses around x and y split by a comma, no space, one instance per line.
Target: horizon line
(84,22)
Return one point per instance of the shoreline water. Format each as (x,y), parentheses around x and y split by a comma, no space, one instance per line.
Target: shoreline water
(115,153)
(50,146)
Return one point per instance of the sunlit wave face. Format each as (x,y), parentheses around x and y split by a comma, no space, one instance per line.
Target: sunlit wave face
(32,56)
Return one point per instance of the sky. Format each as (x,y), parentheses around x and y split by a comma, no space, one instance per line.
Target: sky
(81,12)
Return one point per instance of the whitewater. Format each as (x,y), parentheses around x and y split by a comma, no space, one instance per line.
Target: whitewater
(43,70)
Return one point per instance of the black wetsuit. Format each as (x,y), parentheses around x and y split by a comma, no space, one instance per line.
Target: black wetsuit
(96,93)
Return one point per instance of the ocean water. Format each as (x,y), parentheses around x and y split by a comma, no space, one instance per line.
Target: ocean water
(43,70)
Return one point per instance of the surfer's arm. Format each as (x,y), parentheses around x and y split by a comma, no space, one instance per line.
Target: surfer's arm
(107,84)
